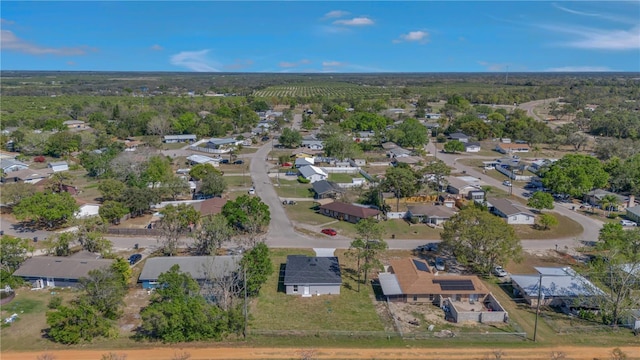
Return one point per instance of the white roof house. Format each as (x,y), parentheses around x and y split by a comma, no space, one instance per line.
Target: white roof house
(179,138)
(9,165)
(559,284)
(313,173)
(59,166)
(304,161)
(201,159)
(511,212)
(87,211)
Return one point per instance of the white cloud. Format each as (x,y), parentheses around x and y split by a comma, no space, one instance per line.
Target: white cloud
(332,63)
(600,39)
(6,22)
(289,64)
(494,67)
(335,14)
(71,63)
(194,61)
(10,42)
(357,21)
(579,69)
(419,36)
(156,47)
(575,12)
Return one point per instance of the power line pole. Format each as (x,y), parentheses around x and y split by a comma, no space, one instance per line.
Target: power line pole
(244,330)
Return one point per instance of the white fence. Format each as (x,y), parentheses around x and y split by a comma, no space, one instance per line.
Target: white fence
(396,215)
(341,170)
(209,150)
(514,176)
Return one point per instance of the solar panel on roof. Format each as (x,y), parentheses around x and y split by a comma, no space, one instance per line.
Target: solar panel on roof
(447,285)
(420,265)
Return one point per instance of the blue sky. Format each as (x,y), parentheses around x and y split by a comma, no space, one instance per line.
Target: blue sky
(211,36)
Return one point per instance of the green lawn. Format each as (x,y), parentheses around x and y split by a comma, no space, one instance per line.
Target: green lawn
(293,189)
(566,228)
(238,181)
(340,178)
(349,311)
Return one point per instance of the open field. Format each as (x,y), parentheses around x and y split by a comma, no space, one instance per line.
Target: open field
(293,189)
(329,89)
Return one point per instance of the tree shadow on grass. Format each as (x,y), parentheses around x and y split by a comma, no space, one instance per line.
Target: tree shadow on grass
(281,287)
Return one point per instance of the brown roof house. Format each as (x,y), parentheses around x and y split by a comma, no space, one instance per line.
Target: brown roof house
(210,207)
(430,214)
(462,297)
(348,212)
(52,271)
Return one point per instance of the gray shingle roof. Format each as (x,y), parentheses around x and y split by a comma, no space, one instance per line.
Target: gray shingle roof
(302,269)
(324,186)
(60,267)
(197,266)
(507,207)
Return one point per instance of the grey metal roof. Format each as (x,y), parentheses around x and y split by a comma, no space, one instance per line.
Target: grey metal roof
(634,210)
(180,137)
(60,267)
(507,207)
(310,170)
(308,270)
(556,282)
(324,186)
(199,267)
(5,163)
(389,283)
(58,163)
(459,135)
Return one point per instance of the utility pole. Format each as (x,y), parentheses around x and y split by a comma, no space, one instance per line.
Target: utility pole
(244,330)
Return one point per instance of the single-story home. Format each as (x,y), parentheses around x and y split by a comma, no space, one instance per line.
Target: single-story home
(304,161)
(561,286)
(313,173)
(459,186)
(186,138)
(211,206)
(8,165)
(87,211)
(463,297)
(27,176)
(508,148)
(434,116)
(58,166)
(358,162)
(313,144)
(361,136)
(52,271)
(200,268)
(223,144)
(348,212)
(312,275)
(389,145)
(511,212)
(430,214)
(409,160)
(202,159)
(472,147)
(398,152)
(74,124)
(476,195)
(326,189)
(594,197)
(462,137)
(633,213)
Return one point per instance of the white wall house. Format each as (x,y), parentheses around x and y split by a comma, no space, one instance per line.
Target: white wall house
(472,147)
(510,212)
(59,166)
(313,173)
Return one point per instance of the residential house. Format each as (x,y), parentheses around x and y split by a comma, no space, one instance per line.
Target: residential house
(508,148)
(476,195)
(362,136)
(8,165)
(472,147)
(460,137)
(304,153)
(186,138)
(459,186)
(74,124)
(358,162)
(389,145)
(561,286)
(132,145)
(304,161)
(326,189)
(537,165)
(398,152)
(210,207)
(430,214)
(87,211)
(61,271)
(594,197)
(201,268)
(633,213)
(224,145)
(196,159)
(313,173)
(27,176)
(409,160)
(463,297)
(513,214)
(313,144)
(347,212)
(58,166)
(312,275)
(433,116)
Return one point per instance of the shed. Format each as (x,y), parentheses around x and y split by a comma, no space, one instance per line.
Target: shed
(59,166)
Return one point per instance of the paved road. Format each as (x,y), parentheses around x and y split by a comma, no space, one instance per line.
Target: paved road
(529,106)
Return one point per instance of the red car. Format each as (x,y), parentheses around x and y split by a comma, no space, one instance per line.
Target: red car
(329,232)
(286,164)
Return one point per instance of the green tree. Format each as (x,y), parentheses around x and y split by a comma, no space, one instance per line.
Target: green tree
(341,146)
(258,267)
(112,211)
(77,323)
(247,215)
(200,171)
(59,244)
(174,187)
(415,134)
(62,143)
(105,291)
(139,200)
(12,194)
(575,174)
(111,189)
(547,221)
(185,123)
(290,138)
(541,200)
(176,221)
(13,252)
(213,184)
(402,181)
(367,246)
(47,209)
(454,146)
(480,239)
(214,231)
(95,242)
(609,202)
(439,170)
(158,170)
(57,182)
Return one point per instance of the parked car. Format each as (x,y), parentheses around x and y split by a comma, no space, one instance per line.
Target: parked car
(134,258)
(499,271)
(506,183)
(252,191)
(286,164)
(440,264)
(238,162)
(265,138)
(291,173)
(224,161)
(428,247)
(330,232)
(526,194)
(628,223)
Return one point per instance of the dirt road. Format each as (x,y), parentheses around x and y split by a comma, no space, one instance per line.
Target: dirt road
(570,352)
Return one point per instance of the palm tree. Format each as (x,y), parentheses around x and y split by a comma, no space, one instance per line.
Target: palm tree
(609,202)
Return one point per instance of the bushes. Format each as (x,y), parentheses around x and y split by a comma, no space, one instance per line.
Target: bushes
(39,159)
(302,180)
